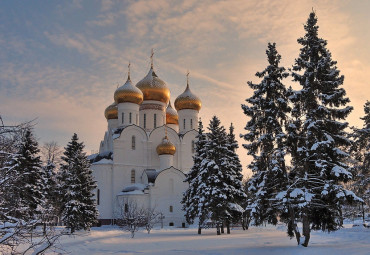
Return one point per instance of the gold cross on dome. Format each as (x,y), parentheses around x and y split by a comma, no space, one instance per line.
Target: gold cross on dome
(151,58)
(129,69)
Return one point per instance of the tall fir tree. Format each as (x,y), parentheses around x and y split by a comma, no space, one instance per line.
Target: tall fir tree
(268,108)
(361,149)
(317,136)
(25,188)
(212,196)
(190,199)
(233,177)
(76,188)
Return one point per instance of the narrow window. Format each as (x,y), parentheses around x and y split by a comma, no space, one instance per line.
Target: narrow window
(133,176)
(171,208)
(191,123)
(130,117)
(155,120)
(98,197)
(123,117)
(184,123)
(133,142)
(137,118)
(126,208)
(192,146)
(144,120)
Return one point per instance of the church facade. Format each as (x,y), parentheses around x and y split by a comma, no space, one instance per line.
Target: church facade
(147,150)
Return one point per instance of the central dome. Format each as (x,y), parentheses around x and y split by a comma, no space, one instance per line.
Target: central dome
(154,88)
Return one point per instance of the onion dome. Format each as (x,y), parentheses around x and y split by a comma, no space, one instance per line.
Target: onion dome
(128,93)
(111,112)
(171,115)
(154,88)
(187,100)
(166,147)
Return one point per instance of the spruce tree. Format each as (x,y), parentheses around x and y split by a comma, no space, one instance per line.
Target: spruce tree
(24,194)
(317,136)
(190,199)
(214,191)
(361,148)
(267,109)
(233,177)
(76,188)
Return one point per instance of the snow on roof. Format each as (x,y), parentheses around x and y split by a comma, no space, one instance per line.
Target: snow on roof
(104,161)
(134,187)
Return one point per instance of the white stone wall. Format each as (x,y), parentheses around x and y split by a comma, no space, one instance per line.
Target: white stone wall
(168,191)
(103,175)
(191,120)
(124,110)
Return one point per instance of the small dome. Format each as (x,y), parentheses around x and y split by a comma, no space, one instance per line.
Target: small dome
(166,147)
(154,88)
(128,93)
(187,100)
(171,115)
(111,112)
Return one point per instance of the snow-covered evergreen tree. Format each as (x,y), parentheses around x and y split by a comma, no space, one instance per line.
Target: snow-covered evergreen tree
(233,177)
(25,186)
(76,188)
(361,148)
(267,110)
(213,201)
(217,194)
(190,198)
(317,136)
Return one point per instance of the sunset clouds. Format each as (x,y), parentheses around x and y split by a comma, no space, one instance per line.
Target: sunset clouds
(61,61)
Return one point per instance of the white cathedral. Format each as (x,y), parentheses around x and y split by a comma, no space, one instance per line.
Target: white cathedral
(147,149)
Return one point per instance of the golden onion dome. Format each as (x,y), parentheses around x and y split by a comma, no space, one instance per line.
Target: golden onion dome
(111,112)
(187,100)
(166,147)
(154,88)
(128,93)
(171,115)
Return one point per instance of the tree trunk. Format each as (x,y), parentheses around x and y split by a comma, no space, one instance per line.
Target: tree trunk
(306,229)
(222,228)
(218,229)
(199,230)
(294,226)
(228,227)
(363,213)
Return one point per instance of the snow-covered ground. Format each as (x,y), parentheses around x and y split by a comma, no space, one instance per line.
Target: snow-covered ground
(256,240)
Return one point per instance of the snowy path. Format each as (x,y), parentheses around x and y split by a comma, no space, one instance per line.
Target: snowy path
(270,240)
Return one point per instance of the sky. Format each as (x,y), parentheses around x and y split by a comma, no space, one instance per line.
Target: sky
(61,61)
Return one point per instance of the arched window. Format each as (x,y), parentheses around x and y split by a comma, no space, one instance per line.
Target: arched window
(191,123)
(144,120)
(184,123)
(133,142)
(133,176)
(123,117)
(98,197)
(171,208)
(130,118)
(155,120)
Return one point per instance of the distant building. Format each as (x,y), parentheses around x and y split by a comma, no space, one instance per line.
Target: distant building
(147,149)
